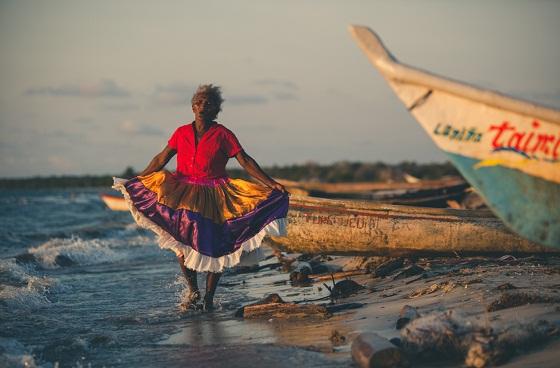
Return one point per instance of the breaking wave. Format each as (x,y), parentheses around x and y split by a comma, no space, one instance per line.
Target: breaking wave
(22,289)
(73,251)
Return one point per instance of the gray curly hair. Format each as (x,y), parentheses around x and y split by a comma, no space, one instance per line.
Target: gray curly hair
(212,93)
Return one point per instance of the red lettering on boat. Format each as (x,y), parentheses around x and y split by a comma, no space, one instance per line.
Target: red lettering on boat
(531,142)
(501,129)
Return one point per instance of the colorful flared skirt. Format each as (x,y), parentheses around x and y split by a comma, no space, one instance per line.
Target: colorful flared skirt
(211,222)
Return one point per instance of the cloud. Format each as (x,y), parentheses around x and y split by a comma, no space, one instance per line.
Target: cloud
(102,88)
(175,94)
(277,83)
(285,96)
(130,127)
(180,94)
(246,100)
(283,90)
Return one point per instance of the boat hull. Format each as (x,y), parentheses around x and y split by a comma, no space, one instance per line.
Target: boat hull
(115,203)
(508,149)
(511,192)
(324,226)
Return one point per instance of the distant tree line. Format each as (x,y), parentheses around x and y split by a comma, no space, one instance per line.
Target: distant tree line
(343,171)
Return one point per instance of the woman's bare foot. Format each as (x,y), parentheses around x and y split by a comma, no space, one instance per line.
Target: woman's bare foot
(191,301)
(208,305)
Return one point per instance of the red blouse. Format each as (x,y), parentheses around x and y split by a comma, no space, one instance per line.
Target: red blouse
(208,158)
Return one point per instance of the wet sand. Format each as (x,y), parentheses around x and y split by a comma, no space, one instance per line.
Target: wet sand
(465,285)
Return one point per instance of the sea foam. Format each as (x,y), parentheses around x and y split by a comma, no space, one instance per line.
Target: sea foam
(74,250)
(22,289)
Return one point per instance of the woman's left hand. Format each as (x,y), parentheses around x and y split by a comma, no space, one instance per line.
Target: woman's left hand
(278,186)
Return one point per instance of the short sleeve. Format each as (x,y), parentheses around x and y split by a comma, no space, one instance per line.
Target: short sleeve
(230,144)
(172,142)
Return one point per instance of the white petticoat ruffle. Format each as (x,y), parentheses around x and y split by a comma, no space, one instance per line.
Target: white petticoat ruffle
(193,259)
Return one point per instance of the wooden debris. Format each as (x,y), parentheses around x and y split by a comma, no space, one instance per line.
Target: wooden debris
(274,307)
(285,311)
(516,299)
(406,315)
(388,267)
(372,350)
(269,299)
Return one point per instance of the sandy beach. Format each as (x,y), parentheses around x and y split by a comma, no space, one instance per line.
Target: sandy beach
(468,287)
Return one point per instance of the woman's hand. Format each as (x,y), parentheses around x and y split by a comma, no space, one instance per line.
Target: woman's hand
(279,187)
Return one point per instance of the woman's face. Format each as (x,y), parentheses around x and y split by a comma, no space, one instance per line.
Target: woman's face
(204,109)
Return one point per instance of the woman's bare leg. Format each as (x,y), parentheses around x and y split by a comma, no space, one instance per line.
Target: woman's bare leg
(192,281)
(211,285)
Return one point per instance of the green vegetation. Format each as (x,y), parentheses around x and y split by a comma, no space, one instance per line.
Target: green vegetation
(334,173)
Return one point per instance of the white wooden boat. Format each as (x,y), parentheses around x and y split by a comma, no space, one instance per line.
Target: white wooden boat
(327,226)
(114,202)
(508,149)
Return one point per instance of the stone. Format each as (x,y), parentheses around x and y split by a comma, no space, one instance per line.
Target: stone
(372,350)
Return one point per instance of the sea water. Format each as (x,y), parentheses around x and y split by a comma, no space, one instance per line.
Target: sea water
(81,285)
(84,286)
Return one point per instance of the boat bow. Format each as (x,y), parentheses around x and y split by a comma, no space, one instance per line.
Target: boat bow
(507,148)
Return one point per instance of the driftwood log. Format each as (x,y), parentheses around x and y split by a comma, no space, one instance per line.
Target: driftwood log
(274,307)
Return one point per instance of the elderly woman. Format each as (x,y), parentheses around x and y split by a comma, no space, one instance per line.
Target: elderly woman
(205,217)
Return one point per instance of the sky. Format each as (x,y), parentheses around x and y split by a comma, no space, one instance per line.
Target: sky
(91,87)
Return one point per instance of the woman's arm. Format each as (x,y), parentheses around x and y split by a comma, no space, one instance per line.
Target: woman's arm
(253,168)
(159,161)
